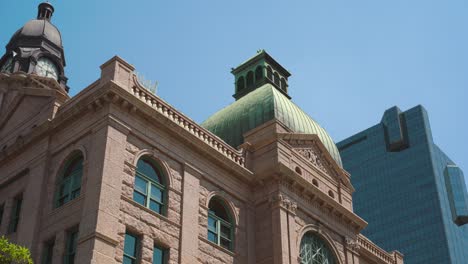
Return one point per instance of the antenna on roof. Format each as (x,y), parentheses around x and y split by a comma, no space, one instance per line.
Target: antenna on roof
(151,86)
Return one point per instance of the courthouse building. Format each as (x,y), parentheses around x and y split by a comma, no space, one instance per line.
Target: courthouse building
(405,184)
(115,174)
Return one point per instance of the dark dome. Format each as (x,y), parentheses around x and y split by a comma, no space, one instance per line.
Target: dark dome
(39,28)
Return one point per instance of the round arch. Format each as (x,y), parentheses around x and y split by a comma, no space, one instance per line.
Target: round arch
(78,150)
(69,178)
(229,204)
(250,79)
(240,84)
(153,155)
(259,73)
(316,230)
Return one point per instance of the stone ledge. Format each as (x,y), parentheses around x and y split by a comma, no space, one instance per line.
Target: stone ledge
(147,210)
(230,253)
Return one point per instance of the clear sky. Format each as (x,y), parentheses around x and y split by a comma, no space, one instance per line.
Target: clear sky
(350,60)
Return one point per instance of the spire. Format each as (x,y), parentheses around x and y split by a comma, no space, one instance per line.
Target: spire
(45,11)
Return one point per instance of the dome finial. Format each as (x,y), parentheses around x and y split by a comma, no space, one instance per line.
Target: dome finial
(45,11)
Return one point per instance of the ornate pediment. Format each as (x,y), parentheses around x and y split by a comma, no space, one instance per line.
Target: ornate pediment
(22,98)
(308,147)
(315,157)
(312,149)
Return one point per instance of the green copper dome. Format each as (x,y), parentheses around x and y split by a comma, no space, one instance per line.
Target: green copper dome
(260,106)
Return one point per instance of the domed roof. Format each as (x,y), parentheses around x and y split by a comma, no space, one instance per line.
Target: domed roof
(40,28)
(260,106)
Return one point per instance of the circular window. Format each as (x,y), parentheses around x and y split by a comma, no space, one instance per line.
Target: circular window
(314,250)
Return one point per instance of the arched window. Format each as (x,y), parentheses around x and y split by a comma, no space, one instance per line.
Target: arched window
(269,73)
(240,84)
(220,224)
(250,79)
(149,185)
(69,183)
(258,73)
(284,86)
(314,250)
(276,79)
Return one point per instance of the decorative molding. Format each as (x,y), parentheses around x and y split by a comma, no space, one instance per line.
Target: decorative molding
(352,244)
(309,147)
(281,200)
(323,202)
(315,156)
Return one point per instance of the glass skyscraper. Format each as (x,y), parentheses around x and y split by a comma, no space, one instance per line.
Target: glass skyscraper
(408,190)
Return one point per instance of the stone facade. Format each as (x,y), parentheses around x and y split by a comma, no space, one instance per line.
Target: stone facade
(278,186)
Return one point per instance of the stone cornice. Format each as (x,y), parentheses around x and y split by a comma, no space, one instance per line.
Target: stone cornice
(301,187)
(295,139)
(143,102)
(100,94)
(188,124)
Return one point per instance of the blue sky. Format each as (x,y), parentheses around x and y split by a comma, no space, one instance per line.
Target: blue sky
(350,60)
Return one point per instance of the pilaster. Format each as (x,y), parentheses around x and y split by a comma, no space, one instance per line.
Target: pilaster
(190,207)
(283,211)
(98,234)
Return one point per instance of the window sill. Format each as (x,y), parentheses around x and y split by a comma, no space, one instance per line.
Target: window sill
(227,251)
(57,210)
(162,217)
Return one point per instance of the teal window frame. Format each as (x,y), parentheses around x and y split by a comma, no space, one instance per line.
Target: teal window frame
(315,250)
(151,186)
(48,252)
(159,255)
(70,249)
(216,231)
(131,252)
(15,214)
(220,227)
(2,208)
(69,184)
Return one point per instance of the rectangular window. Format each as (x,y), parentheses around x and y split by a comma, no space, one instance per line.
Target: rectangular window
(159,255)
(148,194)
(131,246)
(48,251)
(212,229)
(70,250)
(15,214)
(1,213)
(219,231)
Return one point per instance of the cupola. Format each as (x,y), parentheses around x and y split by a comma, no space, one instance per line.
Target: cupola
(257,71)
(36,48)
(262,95)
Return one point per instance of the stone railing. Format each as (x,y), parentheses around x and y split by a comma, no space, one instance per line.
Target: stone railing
(165,109)
(368,245)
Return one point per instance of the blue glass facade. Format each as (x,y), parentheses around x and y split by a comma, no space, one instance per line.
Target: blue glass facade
(413,196)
